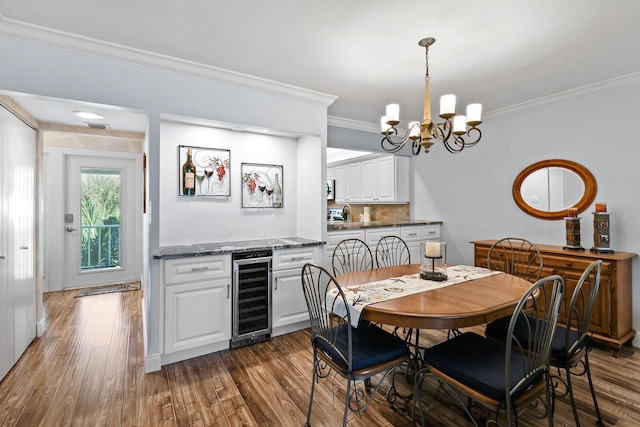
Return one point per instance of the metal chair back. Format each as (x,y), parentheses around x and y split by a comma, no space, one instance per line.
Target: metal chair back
(351,255)
(516,256)
(392,250)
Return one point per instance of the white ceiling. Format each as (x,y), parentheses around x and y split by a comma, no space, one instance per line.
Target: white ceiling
(500,53)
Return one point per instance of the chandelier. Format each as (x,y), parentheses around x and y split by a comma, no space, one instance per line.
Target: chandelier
(452,131)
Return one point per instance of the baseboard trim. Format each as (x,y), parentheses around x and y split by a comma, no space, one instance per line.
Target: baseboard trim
(41,327)
(152,363)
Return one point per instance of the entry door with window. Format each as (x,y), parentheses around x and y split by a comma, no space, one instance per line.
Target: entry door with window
(100,221)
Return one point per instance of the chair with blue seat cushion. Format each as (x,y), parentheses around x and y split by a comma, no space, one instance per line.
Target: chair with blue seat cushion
(353,353)
(392,250)
(571,345)
(351,255)
(503,378)
(516,256)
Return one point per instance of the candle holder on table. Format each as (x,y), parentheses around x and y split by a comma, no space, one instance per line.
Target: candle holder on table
(434,261)
(572,226)
(601,224)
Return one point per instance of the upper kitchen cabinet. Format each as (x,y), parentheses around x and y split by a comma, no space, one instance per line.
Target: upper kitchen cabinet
(373,179)
(348,180)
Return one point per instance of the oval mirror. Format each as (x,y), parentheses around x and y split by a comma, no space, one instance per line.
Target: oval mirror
(548,188)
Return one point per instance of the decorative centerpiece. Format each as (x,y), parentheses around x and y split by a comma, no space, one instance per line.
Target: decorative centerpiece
(572,224)
(601,223)
(433,265)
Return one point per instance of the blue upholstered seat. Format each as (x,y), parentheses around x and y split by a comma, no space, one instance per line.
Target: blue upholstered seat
(370,346)
(498,329)
(485,372)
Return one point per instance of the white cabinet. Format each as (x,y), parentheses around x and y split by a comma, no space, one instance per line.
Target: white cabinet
(412,235)
(197,306)
(373,235)
(347,183)
(335,237)
(17,238)
(384,179)
(378,179)
(289,308)
(431,232)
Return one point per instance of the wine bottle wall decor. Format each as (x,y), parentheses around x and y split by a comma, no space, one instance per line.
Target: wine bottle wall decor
(262,186)
(209,167)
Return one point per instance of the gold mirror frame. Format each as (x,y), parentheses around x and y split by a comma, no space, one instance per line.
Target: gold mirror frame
(590,187)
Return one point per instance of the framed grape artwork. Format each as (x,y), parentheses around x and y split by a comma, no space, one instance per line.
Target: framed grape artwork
(204,172)
(261,186)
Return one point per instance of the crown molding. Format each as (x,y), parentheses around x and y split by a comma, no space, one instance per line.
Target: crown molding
(88,46)
(341,122)
(606,86)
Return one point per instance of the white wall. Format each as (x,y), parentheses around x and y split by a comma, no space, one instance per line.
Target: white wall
(471,191)
(86,71)
(187,220)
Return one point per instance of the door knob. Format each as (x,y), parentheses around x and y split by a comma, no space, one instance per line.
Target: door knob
(70,229)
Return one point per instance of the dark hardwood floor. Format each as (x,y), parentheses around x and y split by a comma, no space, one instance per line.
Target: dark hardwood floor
(88,370)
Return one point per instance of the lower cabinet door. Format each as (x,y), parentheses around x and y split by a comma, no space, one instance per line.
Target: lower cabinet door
(289,305)
(197,314)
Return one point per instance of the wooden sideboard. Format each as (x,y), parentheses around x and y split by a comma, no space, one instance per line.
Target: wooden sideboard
(611,323)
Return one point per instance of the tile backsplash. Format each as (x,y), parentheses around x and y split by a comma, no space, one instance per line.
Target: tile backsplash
(379,212)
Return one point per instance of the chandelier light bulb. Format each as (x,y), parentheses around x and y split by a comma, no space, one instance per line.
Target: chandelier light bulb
(447,106)
(393,114)
(385,128)
(460,125)
(474,114)
(414,129)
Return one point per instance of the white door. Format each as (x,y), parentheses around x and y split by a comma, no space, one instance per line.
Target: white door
(100,221)
(17,239)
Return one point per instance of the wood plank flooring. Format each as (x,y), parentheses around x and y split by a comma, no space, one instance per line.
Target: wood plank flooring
(88,370)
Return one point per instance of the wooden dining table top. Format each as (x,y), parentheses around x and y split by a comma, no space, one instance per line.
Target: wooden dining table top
(469,303)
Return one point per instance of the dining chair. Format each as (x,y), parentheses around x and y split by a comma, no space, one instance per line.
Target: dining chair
(516,256)
(351,255)
(502,377)
(353,353)
(392,250)
(571,344)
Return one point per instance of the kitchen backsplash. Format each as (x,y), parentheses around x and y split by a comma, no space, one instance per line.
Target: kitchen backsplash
(379,212)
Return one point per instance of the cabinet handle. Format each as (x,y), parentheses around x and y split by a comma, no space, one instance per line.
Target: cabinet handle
(412,234)
(228,291)
(3,256)
(199,269)
(298,258)
(276,284)
(569,263)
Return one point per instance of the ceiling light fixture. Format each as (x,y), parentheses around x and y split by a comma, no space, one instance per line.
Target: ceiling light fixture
(88,115)
(450,132)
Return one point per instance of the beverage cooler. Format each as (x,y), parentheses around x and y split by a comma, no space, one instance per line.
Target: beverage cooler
(251,297)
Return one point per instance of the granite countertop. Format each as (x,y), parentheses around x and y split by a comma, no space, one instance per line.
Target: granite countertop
(220,248)
(339,225)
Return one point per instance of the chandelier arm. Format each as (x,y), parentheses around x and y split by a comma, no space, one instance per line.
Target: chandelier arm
(475,141)
(442,130)
(415,148)
(391,145)
(454,145)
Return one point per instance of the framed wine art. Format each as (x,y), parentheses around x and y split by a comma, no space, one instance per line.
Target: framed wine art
(204,172)
(261,186)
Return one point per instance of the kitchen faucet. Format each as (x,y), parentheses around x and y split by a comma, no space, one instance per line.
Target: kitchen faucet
(346,213)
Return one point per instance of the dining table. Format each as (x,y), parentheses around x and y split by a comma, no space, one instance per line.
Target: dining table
(468,303)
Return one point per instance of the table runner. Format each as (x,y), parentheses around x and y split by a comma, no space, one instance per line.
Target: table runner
(359,296)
